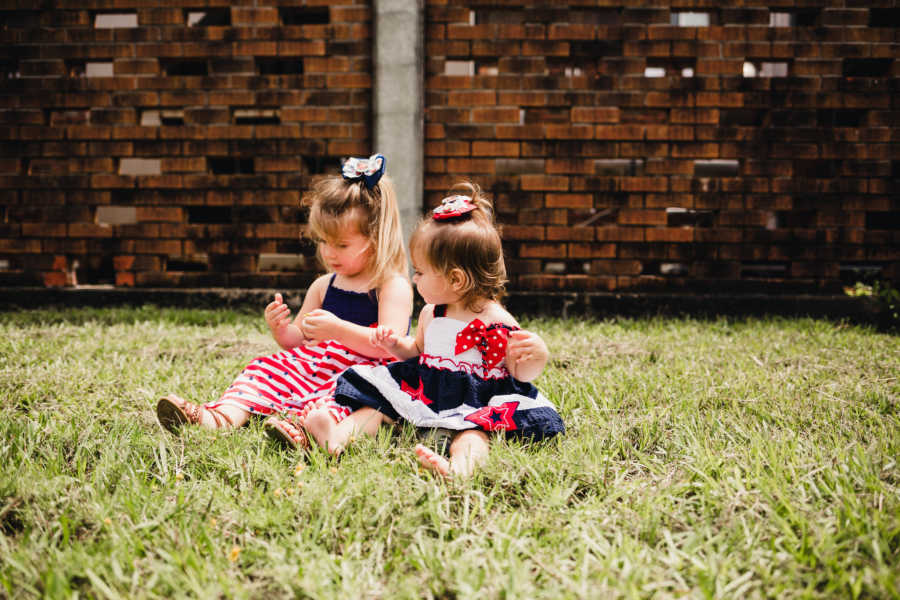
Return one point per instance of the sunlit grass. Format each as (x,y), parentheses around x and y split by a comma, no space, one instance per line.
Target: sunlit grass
(749,458)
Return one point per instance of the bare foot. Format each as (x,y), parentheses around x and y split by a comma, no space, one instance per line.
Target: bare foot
(433,461)
(320,424)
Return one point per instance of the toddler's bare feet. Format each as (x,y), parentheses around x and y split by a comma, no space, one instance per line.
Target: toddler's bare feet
(321,425)
(433,461)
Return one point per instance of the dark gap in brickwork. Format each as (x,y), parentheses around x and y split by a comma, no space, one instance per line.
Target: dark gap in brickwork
(310,15)
(21,19)
(207,17)
(748,117)
(895,169)
(96,269)
(184,67)
(805,17)
(209,215)
(279,66)
(865,272)
(751,269)
(792,118)
(315,165)
(867,67)
(197,263)
(596,49)
(841,117)
(817,169)
(9,68)
(884,17)
(254,214)
(122,196)
(227,165)
(684,217)
(795,219)
(171,117)
(884,220)
(76,68)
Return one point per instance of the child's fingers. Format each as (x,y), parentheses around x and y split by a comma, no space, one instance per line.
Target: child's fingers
(278,298)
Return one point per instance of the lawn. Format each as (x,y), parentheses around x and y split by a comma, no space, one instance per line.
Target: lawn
(703,458)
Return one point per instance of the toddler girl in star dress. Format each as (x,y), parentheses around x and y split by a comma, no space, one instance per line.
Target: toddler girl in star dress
(355,219)
(467,368)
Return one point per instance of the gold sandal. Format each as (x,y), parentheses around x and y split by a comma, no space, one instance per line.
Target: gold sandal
(173,412)
(286,432)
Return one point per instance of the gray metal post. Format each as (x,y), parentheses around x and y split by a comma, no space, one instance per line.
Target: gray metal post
(399,100)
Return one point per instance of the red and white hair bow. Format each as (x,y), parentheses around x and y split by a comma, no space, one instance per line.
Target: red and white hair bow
(453,206)
(491,342)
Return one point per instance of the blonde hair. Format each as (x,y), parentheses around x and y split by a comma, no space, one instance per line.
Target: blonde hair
(336,202)
(470,243)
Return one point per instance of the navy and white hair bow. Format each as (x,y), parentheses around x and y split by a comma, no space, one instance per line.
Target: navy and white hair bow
(369,169)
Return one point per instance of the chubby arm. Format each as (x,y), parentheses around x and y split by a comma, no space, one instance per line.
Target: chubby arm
(394,311)
(287,333)
(404,346)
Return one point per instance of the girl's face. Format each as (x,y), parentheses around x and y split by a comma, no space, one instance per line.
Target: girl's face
(348,254)
(433,286)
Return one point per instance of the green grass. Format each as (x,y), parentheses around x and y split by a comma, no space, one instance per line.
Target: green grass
(720,459)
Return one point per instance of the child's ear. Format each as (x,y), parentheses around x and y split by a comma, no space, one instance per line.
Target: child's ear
(459,280)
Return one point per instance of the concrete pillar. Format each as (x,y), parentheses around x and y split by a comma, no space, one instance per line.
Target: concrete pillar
(399,100)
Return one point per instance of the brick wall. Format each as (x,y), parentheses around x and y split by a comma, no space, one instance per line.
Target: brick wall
(169,146)
(674,146)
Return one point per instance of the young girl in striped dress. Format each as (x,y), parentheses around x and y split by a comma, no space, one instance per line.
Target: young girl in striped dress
(355,219)
(466,372)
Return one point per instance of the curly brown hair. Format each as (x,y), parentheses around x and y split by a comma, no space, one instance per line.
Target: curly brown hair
(470,243)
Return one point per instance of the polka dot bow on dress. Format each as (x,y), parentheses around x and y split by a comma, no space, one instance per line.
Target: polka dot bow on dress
(491,342)
(453,206)
(369,169)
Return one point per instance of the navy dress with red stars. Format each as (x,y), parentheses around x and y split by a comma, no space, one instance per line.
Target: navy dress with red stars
(459,382)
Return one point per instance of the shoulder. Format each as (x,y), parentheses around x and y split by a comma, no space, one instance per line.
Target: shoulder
(395,285)
(496,313)
(396,290)
(320,285)
(427,312)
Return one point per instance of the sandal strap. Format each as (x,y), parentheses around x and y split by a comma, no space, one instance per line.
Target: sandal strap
(218,416)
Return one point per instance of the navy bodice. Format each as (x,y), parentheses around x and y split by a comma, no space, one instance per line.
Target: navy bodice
(357,307)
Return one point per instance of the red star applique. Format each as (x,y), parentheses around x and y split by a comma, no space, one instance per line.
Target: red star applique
(495,418)
(416,393)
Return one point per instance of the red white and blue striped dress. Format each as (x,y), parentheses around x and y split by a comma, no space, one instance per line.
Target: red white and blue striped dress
(287,381)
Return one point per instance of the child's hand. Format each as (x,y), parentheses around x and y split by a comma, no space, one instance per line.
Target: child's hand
(526,354)
(319,325)
(384,337)
(278,315)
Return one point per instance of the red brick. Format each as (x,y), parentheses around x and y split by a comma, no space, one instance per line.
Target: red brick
(544,182)
(490,148)
(592,250)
